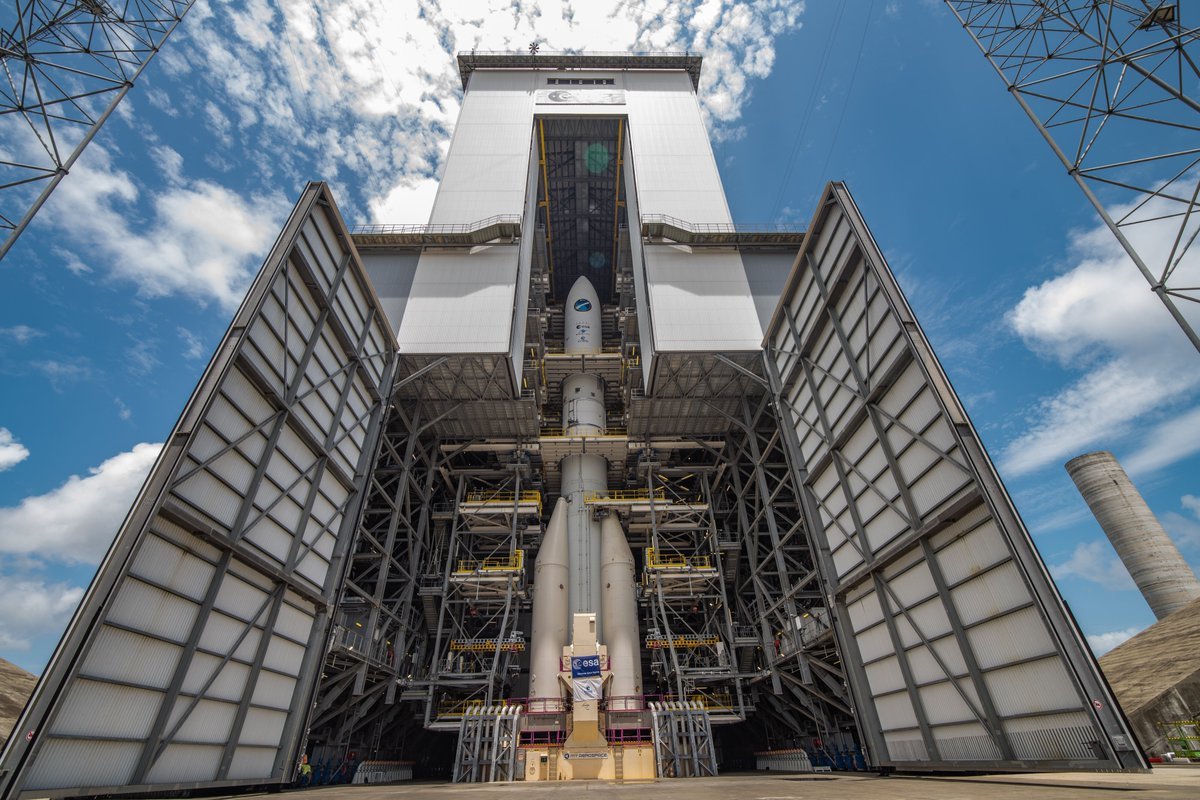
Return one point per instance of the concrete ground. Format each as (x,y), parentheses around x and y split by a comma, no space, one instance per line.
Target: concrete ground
(1165,783)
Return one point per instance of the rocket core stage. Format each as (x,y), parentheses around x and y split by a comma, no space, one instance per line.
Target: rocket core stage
(584,565)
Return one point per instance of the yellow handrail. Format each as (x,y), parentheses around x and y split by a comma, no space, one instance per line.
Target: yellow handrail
(500,499)
(656,560)
(510,563)
(681,641)
(626,495)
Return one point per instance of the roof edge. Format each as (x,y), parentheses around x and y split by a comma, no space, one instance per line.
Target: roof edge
(471,60)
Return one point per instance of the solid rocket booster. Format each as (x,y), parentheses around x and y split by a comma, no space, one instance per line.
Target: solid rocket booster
(550,615)
(619,604)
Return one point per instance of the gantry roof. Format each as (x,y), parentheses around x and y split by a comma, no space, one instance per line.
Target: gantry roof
(472,60)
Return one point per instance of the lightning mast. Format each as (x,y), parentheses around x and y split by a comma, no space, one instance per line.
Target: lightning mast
(1114,88)
(66,65)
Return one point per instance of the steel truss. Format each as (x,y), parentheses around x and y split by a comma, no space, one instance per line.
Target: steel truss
(67,64)
(1114,88)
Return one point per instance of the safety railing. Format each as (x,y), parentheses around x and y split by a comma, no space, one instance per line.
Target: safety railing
(499,499)
(626,496)
(673,561)
(452,228)
(487,645)
(684,640)
(713,701)
(492,564)
(719,227)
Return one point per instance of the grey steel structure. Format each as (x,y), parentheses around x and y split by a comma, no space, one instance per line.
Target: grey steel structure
(1146,550)
(67,64)
(1114,88)
(335,551)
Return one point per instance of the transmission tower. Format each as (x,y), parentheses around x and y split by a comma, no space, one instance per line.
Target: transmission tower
(1114,88)
(66,65)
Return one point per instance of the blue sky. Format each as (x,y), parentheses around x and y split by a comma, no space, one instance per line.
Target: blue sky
(113,301)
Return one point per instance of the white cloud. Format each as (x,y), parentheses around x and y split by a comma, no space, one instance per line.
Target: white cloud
(1103,642)
(76,522)
(30,607)
(202,240)
(1169,442)
(21,334)
(61,373)
(1101,317)
(123,411)
(1096,562)
(406,203)
(1184,529)
(12,452)
(193,347)
(141,358)
(375,86)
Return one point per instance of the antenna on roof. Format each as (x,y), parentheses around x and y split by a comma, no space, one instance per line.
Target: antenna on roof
(533,48)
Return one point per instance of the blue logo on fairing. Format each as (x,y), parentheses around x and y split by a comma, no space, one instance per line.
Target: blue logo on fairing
(583,304)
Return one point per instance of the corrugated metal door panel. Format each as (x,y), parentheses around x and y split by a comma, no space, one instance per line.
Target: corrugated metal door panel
(903,500)
(967,742)
(895,711)
(124,656)
(273,690)
(263,727)
(185,762)
(220,527)
(1016,636)
(220,681)
(943,704)
(251,761)
(169,565)
(106,711)
(77,762)
(1030,688)
(202,721)
(147,608)
(884,676)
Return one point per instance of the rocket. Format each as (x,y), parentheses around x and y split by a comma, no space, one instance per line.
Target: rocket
(584,564)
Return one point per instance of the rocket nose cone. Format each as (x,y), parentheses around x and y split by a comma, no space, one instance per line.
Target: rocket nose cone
(583,327)
(582,296)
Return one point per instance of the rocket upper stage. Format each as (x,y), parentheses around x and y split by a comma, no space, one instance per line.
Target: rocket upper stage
(582,329)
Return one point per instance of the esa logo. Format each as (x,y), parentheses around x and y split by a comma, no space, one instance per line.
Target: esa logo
(583,304)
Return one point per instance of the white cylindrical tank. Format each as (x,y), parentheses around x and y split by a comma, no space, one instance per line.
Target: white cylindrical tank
(550,608)
(583,411)
(618,600)
(583,476)
(1166,580)
(582,331)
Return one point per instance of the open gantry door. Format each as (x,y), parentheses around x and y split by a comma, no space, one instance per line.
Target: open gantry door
(959,651)
(193,658)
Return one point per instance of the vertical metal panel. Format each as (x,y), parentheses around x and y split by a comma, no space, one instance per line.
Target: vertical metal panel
(461,302)
(261,474)
(699,300)
(970,657)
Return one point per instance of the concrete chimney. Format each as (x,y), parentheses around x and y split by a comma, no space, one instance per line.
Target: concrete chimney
(1158,569)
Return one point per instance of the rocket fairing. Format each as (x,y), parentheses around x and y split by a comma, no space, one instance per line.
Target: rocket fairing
(583,328)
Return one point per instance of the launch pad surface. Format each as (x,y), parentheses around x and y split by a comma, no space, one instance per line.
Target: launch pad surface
(1166,783)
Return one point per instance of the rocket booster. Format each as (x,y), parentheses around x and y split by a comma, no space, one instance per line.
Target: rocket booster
(550,615)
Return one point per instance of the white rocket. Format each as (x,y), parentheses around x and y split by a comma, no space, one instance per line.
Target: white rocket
(584,565)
